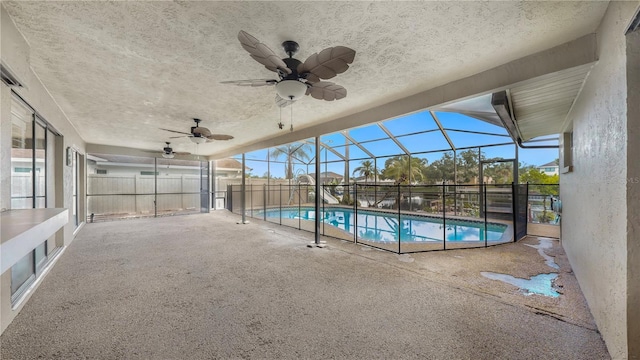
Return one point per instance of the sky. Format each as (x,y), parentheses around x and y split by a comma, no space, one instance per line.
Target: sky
(418,133)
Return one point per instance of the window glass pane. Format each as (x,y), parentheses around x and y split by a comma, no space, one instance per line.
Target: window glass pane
(21,156)
(21,272)
(40,166)
(41,254)
(51,145)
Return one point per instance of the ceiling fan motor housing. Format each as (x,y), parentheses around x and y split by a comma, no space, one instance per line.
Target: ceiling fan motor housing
(293,65)
(290,47)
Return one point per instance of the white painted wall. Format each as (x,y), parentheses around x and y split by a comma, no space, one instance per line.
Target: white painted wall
(595,202)
(15,53)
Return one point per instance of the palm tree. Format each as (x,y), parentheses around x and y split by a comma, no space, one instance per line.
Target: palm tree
(290,152)
(403,170)
(366,169)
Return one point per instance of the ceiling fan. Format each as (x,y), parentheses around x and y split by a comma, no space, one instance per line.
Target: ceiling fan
(298,78)
(168,153)
(200,134)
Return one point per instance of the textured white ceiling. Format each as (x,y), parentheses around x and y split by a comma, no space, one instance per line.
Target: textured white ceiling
(122,70)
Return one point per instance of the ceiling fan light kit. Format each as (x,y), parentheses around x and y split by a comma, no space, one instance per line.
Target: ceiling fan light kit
(168,156)
(198,139)
(291,89)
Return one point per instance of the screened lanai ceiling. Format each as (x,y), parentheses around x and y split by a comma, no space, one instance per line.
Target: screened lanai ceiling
(427,132)
(121,71)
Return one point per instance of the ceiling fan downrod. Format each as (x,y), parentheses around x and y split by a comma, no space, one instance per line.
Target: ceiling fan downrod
(290,47)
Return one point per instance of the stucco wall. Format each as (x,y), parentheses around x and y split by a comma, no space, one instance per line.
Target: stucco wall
(594,230)
(14,52)
(633,194)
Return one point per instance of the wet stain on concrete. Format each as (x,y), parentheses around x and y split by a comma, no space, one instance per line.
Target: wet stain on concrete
(541,284)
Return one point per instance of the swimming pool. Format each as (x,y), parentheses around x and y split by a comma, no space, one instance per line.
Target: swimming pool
(383,227)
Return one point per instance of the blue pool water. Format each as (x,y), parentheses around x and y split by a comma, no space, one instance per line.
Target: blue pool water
(385,227)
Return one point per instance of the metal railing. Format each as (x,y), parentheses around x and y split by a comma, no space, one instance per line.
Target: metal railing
(544,207)
(397,218)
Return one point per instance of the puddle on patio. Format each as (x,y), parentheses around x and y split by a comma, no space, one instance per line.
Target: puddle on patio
(541,284)
(543,244)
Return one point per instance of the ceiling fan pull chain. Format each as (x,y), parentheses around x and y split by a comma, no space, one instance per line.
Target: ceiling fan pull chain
(291,129)
(280,124)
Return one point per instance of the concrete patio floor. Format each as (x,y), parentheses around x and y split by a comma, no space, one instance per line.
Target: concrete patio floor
(203,287)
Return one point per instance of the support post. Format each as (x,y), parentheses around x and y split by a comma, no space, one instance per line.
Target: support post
(317,242)
(355,212)
(155,187)
(317,190)
(485,215)
(243,196)
(514,211)
(375,180)
(299,208)
(526,223)
(444,219)
(455,185)
(280,203)
(399,223)
(410,175)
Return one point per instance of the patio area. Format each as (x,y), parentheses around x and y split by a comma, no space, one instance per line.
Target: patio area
(197,287)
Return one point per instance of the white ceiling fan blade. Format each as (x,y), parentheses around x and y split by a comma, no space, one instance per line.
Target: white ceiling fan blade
(261,53)
(283,102)
(251,82)
(327,63)
(326,90)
